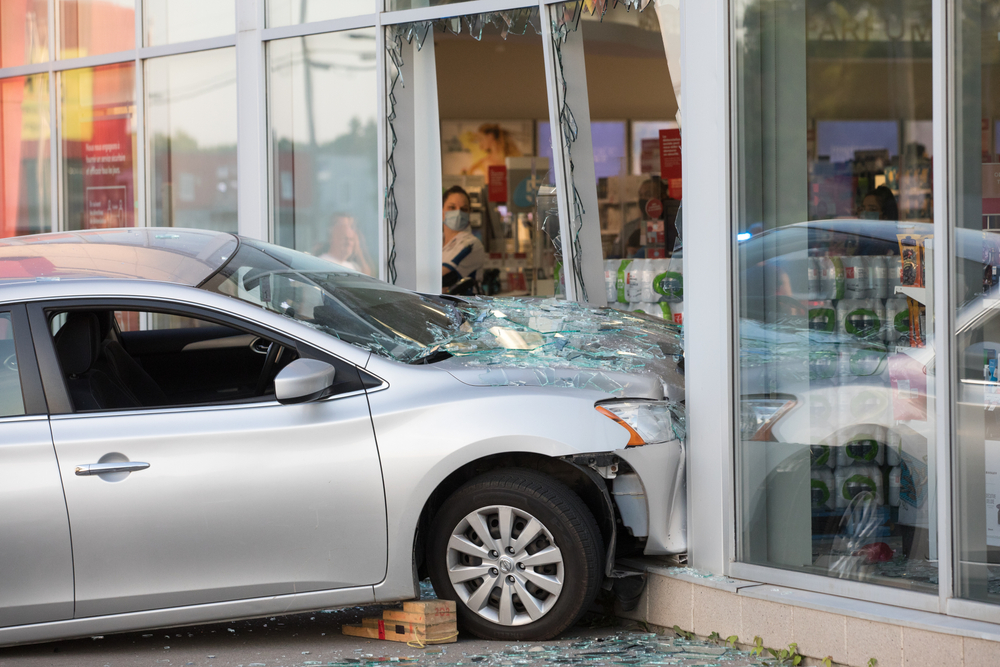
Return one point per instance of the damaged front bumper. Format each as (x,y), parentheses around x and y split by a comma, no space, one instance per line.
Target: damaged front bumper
(649,492)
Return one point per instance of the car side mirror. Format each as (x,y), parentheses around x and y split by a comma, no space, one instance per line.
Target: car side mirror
(304,380)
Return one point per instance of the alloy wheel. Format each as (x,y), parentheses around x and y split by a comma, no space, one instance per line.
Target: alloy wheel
(505,565)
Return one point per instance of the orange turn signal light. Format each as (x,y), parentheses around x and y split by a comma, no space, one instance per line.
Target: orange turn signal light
(634,439)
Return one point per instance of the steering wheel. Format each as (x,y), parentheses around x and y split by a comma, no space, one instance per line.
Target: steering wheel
(273,350)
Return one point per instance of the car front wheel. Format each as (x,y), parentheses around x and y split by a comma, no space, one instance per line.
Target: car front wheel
(519,553)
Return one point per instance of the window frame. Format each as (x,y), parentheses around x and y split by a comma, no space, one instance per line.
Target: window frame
(57,393)
(32,394)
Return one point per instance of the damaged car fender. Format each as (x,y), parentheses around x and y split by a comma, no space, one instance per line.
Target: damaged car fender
(422,439)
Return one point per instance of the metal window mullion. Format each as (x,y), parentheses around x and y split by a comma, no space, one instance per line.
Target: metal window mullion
(55,151)
(141,178)
(192,46)
(115,58)
(563,178)
(319,27)
(24,70)
(381,141)
(461,9)
(945,214)
(55,155)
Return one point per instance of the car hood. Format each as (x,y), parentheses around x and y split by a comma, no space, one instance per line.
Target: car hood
(533,342)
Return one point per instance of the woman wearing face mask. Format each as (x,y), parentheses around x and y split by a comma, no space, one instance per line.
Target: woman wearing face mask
(879,204)
(463,254)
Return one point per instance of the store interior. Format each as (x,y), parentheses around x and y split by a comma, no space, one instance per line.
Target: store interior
(494,112)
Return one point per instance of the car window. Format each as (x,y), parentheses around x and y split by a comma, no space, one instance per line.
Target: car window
(11,400)
(125,359)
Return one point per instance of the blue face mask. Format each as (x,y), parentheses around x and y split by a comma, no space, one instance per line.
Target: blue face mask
(456,220)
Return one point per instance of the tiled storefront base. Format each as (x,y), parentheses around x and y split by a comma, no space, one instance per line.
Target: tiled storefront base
(853,636)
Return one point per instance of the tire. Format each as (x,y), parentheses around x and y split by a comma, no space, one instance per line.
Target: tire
(565,555)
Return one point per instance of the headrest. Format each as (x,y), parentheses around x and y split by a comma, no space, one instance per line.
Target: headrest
(77,343)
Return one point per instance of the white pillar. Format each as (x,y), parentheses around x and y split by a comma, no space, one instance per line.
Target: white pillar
(418,171)
(708,320)
(251,119)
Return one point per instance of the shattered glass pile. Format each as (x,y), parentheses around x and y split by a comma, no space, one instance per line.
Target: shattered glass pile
(525,333)
(623,648)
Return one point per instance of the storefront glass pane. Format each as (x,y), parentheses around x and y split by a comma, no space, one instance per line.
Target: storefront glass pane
(192,154)
(291,12)
(24,32)
(836,450)
(169,21)
(977,302)
(24,156)
(322,105)
(97,146)
(93,27)
(638,178)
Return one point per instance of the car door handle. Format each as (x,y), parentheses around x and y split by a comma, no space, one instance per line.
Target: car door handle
(112,466)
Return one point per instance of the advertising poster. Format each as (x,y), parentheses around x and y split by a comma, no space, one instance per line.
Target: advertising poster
(473,146)
(670,161)
(107,174)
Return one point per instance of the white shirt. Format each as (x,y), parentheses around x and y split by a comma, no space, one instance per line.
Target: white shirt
(464,255)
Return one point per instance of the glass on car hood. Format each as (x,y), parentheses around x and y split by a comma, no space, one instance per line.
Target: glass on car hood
(485,340)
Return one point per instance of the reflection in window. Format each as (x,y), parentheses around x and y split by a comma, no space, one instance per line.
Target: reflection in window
(11,402)
(24,32)
(192,154)
(837,430)
(322,105)
(92,27)
(24,155)
(97,126)
(170,21)
(977,297)
(291,12)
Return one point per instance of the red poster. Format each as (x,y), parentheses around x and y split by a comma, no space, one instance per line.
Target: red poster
(670,161)
(991,189)
(498,184)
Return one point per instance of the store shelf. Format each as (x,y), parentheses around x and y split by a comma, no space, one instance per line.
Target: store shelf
(918,294)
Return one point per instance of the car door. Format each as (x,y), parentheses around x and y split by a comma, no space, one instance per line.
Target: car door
(243,499)
(36,567)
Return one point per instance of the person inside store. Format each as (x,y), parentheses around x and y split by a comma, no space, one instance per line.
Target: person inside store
(879,204)
(462,255)
(652,188)
(345,246)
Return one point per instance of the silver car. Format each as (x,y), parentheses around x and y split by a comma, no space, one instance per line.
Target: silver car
(196,426)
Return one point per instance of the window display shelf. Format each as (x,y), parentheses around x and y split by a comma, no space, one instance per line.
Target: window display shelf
(918,294)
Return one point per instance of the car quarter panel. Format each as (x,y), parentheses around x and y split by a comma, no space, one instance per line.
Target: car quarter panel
(429,424)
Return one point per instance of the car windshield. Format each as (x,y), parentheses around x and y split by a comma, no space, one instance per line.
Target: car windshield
(387,320)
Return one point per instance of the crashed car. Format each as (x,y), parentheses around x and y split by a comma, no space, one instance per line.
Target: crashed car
(199,426)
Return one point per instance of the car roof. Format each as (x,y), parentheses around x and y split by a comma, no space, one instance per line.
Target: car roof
(182,256)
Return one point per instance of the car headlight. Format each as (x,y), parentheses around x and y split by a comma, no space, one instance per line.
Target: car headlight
(647,422)
(758,415)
